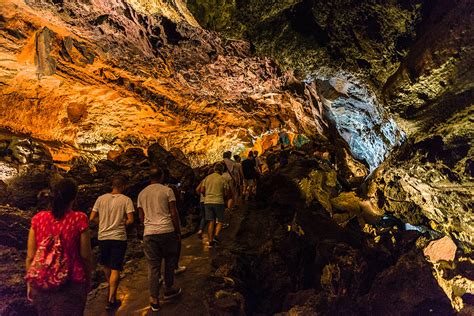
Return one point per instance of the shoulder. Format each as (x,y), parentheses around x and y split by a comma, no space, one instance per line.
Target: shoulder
(40,216)
(79,215)
(125,198)
(100,198)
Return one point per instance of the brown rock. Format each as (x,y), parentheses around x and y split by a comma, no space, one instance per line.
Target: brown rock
(441,249)
(76,112)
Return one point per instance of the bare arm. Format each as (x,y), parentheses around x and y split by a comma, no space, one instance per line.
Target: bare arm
(30,255)
(31,248)
(174,216)
(86,254)
(130,219)
(141,215)
(199,188)
(94,217)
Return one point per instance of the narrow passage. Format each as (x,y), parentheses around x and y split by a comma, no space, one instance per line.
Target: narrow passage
(133,288)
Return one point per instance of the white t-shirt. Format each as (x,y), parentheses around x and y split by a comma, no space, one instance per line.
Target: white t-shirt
(154,201)
(112,210)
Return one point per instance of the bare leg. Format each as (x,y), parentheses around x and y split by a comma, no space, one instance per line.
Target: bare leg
(210,230)
(107,272)
(114,282)
(218,229)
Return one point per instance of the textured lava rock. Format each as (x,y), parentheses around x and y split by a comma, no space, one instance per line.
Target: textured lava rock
(111,75)
(407,288)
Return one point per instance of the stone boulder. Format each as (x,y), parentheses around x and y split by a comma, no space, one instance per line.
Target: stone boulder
(406,288)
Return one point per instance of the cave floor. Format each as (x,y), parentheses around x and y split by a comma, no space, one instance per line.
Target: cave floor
(133,289)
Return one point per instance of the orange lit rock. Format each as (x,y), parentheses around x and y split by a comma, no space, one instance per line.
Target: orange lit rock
(99,80)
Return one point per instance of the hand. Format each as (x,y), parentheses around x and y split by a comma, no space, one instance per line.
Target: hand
(29,297)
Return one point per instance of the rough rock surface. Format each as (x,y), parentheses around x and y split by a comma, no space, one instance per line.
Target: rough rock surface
(292,258)
(111,75)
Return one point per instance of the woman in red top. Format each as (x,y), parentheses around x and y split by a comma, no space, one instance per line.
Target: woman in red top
(70,298)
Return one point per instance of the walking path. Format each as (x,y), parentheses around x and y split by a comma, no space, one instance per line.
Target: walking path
(133,289)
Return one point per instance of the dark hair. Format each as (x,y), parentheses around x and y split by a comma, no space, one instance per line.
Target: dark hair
(237,158)
(250,154)
(119,182)
(219,167)
(156,174)
(64,192)
(255,153)
(227,154)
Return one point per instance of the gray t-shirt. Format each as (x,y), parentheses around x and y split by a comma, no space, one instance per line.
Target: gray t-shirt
(154,201)
(112,210)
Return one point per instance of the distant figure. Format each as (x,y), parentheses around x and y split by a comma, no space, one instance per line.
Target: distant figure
(215,189)
(202,210)
(229,176)
(283,157)
(258,163)
(239,176)
(181,212)
(250,175)
(59,258)
(162,234)
(115,213)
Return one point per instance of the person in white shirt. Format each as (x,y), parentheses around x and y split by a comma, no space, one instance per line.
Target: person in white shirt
(115,212)
(157,211)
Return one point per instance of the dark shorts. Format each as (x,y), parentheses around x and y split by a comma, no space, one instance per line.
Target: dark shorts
(112,253)
(215,212)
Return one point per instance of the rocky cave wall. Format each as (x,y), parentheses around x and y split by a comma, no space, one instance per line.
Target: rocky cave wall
(414,56)
(101,76)
(86,80)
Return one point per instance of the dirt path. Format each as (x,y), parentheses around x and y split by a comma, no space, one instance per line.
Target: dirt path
(133,290)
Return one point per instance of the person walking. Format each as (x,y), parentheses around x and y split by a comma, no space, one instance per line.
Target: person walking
(59,257)
(239,177)
(229,176)
(250,175)
(162,235)
(215,189)
(115,212)
(202,210)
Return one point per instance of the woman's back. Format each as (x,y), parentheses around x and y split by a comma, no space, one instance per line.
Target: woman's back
(70,227)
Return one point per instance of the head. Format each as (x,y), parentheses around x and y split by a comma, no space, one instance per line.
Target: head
(255,153)
(250,156)
(64,194)
(119,183)
(156,175)
(227,155)
(219,168)
(237,158)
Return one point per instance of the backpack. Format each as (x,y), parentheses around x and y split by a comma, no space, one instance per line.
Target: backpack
(50,266)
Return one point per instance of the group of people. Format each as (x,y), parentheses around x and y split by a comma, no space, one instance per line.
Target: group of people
(59,256)
(226,185)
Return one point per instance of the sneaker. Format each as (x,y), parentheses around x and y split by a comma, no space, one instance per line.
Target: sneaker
(113,305)
(199,233)
(155,307)
(210,244)
(216,240)
(172,293)
(180,270)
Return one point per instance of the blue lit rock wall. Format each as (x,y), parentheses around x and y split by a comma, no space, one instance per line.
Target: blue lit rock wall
(358,117)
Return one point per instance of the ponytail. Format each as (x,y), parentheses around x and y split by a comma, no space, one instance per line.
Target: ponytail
(64,192)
